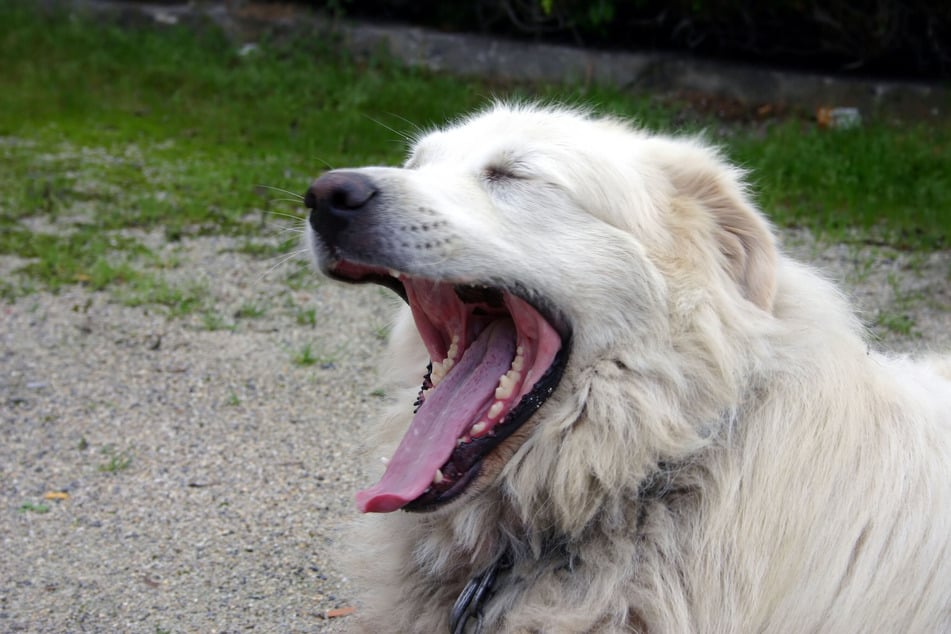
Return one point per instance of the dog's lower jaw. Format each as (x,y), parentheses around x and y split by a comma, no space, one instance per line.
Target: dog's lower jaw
(487,478)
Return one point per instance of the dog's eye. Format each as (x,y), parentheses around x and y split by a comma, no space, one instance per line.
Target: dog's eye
(496,173)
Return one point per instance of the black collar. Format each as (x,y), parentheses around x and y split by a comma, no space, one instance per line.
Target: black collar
(480,588)
(476,595)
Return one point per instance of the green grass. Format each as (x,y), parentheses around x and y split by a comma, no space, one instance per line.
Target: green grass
(307,356)
(145,289)
(250,310)
(895,317)
(891,183)
(30,507)
(213,321)
(116,461)
(306,316)
(106,129)
(898,323)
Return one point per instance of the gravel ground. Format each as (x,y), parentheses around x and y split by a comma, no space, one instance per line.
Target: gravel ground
(159,476)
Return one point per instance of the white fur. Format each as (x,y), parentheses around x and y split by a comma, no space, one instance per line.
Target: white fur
(723,453)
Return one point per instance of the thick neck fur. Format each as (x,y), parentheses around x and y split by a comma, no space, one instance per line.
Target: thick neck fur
(686,480)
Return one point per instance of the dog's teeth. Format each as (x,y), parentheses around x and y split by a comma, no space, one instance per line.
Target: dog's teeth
(394,273)
(507,384)
(461,440)
(438,477)
(437,373)
(453,348)
(478,429)
(518,362)
(439,369)
(495,410)
(384,460)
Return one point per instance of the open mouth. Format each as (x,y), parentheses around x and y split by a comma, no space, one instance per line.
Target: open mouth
(495,359)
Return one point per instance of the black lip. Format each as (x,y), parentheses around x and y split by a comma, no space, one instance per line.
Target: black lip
(382,279)
(465,463)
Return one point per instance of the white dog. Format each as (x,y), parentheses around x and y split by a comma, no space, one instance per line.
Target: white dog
(639,415)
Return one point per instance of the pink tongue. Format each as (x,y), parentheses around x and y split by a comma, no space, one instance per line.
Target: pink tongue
(449,410)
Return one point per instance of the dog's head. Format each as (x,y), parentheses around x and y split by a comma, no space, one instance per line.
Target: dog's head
(533,244)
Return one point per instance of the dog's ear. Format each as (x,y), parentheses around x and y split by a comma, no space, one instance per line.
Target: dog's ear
(743,236)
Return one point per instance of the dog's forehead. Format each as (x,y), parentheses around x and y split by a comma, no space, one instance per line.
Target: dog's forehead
(503,134)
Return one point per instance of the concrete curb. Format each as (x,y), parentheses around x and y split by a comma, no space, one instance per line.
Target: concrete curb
(481,56)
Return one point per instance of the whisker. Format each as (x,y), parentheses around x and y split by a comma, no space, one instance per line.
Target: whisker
(282,260)
(326,164)
(284,191)
(285,229)
(407,138)
(284,215)
(296,201)
(416,128)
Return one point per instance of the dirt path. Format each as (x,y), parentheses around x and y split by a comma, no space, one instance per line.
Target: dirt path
(191,475)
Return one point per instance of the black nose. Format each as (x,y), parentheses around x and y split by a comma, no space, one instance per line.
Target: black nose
(335,199)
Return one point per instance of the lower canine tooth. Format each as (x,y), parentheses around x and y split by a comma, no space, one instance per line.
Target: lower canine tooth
(437,477)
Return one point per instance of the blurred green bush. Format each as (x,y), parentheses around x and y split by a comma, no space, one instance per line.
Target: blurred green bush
(900,38)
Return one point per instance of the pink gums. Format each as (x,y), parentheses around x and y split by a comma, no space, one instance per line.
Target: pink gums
(463,397)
